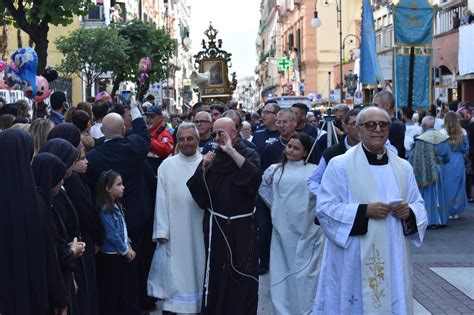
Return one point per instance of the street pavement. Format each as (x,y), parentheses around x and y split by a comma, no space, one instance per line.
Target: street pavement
(443,271)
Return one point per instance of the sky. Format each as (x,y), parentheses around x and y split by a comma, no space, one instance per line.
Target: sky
(237,23)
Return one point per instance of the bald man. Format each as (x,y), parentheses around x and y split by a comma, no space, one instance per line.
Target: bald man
(370,209)
(232,176)
(127,156)
(429,154)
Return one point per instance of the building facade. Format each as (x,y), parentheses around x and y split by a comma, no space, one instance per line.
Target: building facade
(286,30)
(173,16)
(246,94)
(448,85)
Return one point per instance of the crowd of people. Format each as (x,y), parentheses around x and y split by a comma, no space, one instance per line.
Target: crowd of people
(114,209)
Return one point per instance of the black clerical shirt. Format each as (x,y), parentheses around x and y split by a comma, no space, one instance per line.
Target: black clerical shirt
(361,222)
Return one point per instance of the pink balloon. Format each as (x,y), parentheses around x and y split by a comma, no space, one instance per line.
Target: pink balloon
(103,96)
(143,78)
(144,65)
(42,89)
(3,65)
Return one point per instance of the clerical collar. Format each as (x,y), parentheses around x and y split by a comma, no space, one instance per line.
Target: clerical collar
(376,159)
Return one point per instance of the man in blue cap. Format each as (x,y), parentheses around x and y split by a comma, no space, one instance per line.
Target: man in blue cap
(161,145)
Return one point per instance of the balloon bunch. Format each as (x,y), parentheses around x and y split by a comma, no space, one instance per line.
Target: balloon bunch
(20,72)
(144,66)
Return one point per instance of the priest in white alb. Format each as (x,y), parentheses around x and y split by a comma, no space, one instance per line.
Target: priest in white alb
(370,209)
(177,271)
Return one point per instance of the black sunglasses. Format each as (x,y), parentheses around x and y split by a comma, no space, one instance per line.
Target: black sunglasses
(372,125)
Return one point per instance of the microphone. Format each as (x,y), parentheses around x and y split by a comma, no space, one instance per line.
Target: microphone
(213,147)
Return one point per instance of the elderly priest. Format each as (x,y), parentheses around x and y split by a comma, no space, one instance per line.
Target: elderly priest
(369,207)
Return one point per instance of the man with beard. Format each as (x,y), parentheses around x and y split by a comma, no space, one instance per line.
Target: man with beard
(225,186)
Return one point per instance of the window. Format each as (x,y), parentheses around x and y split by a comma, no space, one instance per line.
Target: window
(298,43)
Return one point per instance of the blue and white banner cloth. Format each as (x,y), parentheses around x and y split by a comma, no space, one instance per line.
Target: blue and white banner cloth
(370,72)
(420,83)
(413,22)
(413,28)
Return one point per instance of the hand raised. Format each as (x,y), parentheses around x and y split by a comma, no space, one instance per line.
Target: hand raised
(227,146)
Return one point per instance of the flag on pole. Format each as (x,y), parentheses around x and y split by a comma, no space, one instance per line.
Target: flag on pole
(370,72)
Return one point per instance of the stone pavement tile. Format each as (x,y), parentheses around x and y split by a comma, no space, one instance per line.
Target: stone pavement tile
(438,295)
(419,309)
(460,277)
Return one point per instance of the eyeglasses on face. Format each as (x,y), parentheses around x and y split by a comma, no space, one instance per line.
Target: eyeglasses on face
(282,122)
(266,112)
(201,122)
(214,134)
(372,125)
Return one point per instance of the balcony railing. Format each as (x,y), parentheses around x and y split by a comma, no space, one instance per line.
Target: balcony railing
(444,19)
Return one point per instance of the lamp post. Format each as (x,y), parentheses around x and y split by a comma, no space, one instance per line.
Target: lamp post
(349,36)
(316,22)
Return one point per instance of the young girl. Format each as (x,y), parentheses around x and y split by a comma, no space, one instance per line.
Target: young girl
(296,240)
(116,251)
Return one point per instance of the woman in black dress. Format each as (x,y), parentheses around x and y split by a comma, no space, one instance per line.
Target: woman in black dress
(23,271)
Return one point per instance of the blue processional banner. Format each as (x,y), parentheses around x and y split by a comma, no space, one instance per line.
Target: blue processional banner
(420,79)
(370,72)
(413,28)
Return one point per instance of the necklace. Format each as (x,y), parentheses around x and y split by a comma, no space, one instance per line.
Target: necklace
(282,141)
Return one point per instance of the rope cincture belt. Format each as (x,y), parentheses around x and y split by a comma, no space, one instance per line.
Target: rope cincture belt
(211,219)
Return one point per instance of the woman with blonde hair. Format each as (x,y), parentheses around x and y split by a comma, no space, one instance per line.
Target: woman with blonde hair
(40,129)
(454,172)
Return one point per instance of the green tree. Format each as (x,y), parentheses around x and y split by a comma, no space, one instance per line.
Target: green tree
(145,40)
(35,16)
(88,53)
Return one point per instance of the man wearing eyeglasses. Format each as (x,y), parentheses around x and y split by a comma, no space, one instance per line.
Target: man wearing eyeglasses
(263,136)
(225,185)
(369,207)
(269,133)
(203,122)
(351,139)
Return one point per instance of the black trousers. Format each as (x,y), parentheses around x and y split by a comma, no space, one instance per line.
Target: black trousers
(117,285)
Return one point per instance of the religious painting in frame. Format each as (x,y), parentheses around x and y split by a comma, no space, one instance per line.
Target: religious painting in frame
(217,72)
(215,61)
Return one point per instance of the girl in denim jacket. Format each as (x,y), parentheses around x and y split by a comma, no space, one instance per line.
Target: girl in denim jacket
(116,251)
